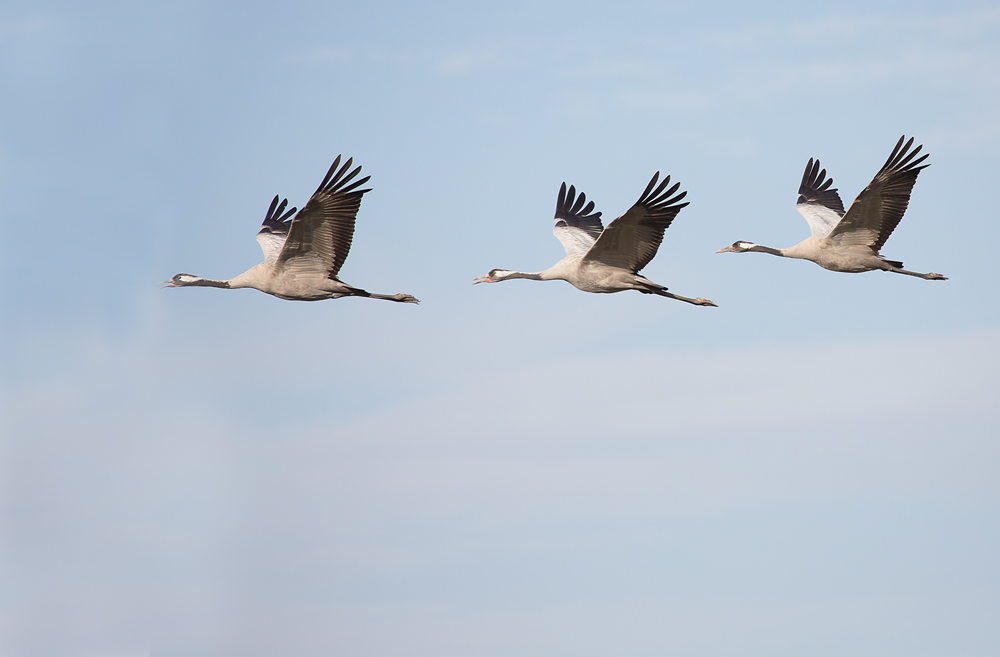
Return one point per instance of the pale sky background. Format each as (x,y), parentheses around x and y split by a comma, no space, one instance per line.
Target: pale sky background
(513,469)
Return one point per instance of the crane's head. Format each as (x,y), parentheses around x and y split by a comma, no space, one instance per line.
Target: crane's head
(494,276)
(738,247)
(180,280)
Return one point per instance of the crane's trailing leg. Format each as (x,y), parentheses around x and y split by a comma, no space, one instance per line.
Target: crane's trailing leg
(649,287)
(402,298)
(358,292)
(698,302)
(930,277)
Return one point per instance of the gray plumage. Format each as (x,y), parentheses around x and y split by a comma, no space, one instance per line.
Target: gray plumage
(851,241)
(303,255)
(606,260)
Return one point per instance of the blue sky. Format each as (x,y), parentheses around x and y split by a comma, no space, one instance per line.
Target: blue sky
(505,469)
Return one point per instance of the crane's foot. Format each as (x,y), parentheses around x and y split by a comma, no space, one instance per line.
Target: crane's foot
(405,298)
(935,277)
(704,302)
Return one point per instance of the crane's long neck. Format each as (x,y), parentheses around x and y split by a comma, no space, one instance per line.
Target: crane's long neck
(188,280)
(255,277)
(758,248)
(533,276)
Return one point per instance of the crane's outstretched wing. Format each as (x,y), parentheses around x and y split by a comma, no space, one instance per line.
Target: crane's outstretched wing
(877,210)
(576,227)
(321,233)
(274,230)
(630,241)
(820,205)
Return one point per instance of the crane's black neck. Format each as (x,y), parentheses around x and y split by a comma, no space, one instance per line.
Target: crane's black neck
(531,276)
(208,282)
(187,280)
(758,248)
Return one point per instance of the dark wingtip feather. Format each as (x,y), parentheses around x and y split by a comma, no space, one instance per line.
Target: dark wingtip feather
(355,184)
(574,210)
(656,193)
(649,187)
(817,188)
(329,173)
(561,200)
(270,210)
(276,217)
(902,158)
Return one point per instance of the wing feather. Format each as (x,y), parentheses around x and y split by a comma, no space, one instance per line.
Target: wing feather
(320,235)
(274,230)
(630,241)
(878,209)
(820,205)
(577,226)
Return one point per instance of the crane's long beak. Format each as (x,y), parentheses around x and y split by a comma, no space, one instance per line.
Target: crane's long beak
(168,283)
(481,279)
(727,249)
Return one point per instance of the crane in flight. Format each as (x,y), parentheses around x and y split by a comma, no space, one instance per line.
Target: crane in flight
(303,255)
(606,260)
(850,241)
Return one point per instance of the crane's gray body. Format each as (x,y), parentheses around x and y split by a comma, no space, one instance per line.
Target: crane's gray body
(829,254)
(850,241)
(586,275)
(303,256)
(607,260)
